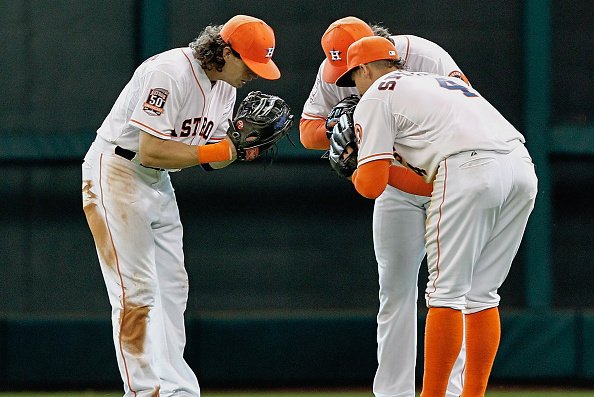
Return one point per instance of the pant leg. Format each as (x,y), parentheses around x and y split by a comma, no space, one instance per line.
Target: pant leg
(398,236)
(497,256)
(118,203)
(457,375)
(467,195)
(399,243)
(471,196)
(177,378)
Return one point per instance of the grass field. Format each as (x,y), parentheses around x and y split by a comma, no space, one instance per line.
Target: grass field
(494,393)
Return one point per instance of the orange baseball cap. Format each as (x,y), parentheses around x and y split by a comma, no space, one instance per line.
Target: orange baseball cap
(365,50)
(253,39)
(336,41)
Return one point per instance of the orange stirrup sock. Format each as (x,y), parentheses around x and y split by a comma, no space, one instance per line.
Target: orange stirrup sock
(214,153)
(443,341)
(483,331)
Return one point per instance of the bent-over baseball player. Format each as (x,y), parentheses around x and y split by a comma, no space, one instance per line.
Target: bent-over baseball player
(484,188)
(172,114)
(399,212)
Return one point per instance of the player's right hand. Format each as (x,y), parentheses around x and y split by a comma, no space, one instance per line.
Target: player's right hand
(330,123)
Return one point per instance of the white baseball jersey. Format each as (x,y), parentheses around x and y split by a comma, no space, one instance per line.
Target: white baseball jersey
(170,97)
(399,249)
(430,118)
(419,55)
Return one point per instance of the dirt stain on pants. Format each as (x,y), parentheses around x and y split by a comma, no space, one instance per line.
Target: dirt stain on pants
(98,226)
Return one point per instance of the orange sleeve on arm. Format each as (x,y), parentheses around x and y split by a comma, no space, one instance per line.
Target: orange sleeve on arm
(406,180)
(371,178)
(312,134)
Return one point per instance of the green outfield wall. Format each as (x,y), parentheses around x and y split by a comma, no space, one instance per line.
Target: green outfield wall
(263,350)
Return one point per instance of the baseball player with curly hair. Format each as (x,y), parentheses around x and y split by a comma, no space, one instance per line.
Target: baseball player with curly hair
(174,113)
(484,188)
(399,212)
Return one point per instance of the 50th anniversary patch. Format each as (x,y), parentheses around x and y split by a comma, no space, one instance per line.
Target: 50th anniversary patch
(155,103)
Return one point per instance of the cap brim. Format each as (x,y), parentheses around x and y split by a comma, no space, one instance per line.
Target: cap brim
(268,70)
(331,73)
(345,80)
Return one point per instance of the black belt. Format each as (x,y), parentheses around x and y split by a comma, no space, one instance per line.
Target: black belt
(129,155)
(125,153)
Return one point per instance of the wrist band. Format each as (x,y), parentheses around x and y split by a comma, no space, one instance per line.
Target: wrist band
(214,153)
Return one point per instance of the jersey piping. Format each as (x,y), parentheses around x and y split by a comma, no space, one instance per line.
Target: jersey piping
(378,155)
(149,128)
(407,50)
(438,262)
(199,86)
(121,349)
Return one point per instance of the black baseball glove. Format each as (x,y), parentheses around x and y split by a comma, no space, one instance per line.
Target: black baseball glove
(260,122)
(343,147)
(345,106)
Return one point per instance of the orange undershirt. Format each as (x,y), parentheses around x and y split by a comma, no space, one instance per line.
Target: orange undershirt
(371,179)
(406,180)
(312,134)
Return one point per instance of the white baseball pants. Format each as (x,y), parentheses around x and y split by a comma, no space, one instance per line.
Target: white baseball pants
(133,215)
(479,209)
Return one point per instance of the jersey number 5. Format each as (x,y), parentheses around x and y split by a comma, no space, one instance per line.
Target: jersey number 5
(450,85)
(388,84)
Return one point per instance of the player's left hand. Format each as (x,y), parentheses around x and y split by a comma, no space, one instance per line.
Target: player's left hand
(345,106)
(232,149)
(343,147)
(261,121)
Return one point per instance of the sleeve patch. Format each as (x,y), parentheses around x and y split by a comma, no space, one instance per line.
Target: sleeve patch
(155,103)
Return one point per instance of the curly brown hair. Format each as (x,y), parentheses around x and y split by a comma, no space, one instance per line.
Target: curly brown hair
(208,48)
(379,30)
